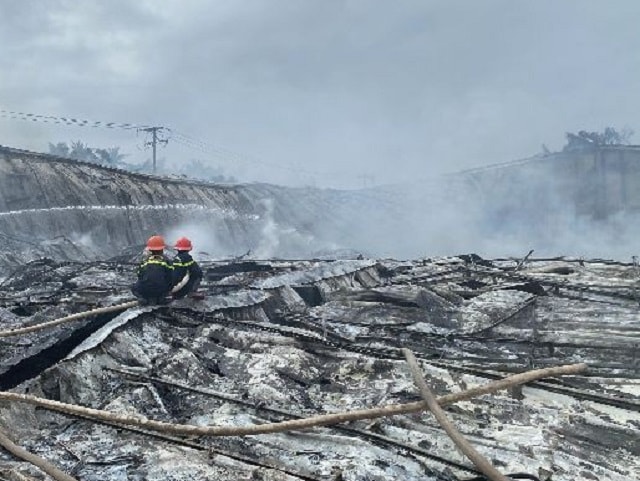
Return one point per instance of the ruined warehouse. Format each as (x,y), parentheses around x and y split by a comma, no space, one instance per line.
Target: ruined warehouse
(220,388)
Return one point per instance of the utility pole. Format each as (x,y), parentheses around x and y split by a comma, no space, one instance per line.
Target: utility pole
(154,141)
(366,179)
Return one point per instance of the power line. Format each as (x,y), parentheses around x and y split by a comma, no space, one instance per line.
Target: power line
(51,119)
(178,137)
(204,147)
(225,154)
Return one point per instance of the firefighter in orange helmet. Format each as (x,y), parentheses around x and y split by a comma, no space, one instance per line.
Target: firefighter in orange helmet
(155,274)
(187,274)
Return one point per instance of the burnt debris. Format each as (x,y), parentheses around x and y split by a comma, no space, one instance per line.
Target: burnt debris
(276,340)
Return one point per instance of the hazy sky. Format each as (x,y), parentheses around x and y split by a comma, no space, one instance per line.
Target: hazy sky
(324,91)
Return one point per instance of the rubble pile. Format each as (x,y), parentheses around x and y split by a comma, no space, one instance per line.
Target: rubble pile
(279,340)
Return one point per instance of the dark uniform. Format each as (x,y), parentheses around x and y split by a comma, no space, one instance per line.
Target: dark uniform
(184,264)
(155,280)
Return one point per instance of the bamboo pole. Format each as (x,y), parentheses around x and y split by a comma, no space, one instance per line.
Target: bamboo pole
(73,317)
(293,424)
(43,464)
(16,475)
(456,436)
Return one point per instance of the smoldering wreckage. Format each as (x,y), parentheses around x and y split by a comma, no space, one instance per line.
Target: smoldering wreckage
(308,369)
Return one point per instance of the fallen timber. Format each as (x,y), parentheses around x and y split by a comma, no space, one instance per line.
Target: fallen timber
(338,351)
(320,420)
(434,406)
(284,426)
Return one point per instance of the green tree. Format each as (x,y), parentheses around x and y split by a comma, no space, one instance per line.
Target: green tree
(81,151)
(61,149)
(584,140)
(110,156)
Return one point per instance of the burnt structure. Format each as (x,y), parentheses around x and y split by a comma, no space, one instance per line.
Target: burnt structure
(597,183)
(283,339)
(261,348)
(70,210)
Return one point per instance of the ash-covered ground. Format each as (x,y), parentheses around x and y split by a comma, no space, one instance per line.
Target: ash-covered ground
(275,340)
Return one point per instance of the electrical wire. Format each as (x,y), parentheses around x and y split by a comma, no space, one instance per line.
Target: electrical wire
(204,147)
(52,119)
(176,136)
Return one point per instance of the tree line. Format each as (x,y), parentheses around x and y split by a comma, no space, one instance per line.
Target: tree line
(585,140)
(113,157)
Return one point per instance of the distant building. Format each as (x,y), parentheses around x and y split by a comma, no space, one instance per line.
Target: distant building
(595,183)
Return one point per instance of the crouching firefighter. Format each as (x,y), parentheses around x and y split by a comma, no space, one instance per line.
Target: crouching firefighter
(155,275)
(186,272)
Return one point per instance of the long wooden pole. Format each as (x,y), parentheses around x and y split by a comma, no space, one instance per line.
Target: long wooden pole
(456,436)
(293,424)
(73,317)
(43,464)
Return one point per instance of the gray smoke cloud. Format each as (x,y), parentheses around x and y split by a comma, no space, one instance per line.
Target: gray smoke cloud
(344,94)
(329,93)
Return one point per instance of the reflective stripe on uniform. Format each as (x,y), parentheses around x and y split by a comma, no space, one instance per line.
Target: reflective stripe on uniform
(158,262)
(184,264)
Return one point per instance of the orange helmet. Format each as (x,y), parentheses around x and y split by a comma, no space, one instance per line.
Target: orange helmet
(155,243)
(183,244)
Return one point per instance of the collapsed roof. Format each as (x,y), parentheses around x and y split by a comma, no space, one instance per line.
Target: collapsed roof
(278,340)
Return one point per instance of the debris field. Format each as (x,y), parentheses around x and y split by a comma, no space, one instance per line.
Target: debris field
(277,340)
